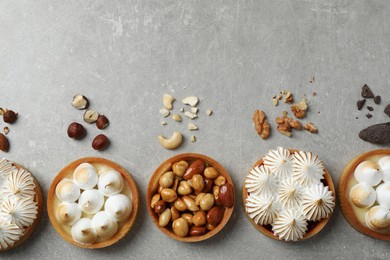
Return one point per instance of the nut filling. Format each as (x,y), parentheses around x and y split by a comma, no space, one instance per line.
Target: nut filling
(191,198)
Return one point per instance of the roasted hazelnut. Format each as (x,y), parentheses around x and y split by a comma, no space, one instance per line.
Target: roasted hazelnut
(80,102)
(10,116)
(4,145)
(90,116)
(76,131)
(160,206)
(100,142)
(102,122)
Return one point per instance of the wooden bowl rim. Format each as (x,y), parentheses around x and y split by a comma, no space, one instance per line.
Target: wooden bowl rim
(153,184)
(319,225)
(122,231)
(345,204)
(39,200)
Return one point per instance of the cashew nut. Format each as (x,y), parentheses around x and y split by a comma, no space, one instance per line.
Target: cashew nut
(167,101)
(173,142)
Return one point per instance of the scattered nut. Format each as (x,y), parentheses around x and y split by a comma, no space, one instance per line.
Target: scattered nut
(283,122)
(167,101)
(1,111)
(209,112)
(176,117)
(190,115)
(194,110)
(90,116)
(10,116)
(4,144)
(173,142)
(261,124)
(311,128)
(192,101)
(193,138)
(76,131)
(80,102)
(6,130)
(275,101)
(181,109)
(100,142)
(192,127)
(164,112)
(163,123)
(299,109)
(102,122)
(288,96)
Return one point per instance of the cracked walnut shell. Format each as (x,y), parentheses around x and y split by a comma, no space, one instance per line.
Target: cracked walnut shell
(261,124)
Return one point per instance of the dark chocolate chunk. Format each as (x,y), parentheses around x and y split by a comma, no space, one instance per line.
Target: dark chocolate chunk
(387,110)
(370,108)
(368,115)
(360,104)
(377,100)
(376,134)
(366,92)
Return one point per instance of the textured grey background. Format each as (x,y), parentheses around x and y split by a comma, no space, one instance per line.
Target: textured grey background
(235,55)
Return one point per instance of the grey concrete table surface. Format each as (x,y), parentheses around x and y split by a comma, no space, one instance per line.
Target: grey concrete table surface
(234,55)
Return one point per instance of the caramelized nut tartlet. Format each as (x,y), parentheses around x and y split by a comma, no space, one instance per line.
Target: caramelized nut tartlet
(93,203)
(190,197)
(21,204)
(289,195)
(364,190)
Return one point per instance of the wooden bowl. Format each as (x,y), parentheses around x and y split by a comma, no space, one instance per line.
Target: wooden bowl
(153,186)
(123,229)
(313,227)
(39,200)
(345,202)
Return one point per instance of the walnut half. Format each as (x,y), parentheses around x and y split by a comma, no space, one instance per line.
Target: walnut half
(261,124)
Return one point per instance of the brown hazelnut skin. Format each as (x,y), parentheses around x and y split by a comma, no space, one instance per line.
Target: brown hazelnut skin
(100,142)
(10,116)
(102,122)
(76,131)
(4,144)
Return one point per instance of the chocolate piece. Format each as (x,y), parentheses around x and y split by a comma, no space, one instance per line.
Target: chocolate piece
(377,100)
(360,104)
(368,115)
(376,134)
(387,110)
(370,108)
(366,92)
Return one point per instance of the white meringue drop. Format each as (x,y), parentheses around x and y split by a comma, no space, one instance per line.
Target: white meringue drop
(20,184)
(19,211)
(317,202)
(368,172)
(362,195)
(383,194)
(67,190)
(110,183)
(9,234)
(384,163)
(6,167)
(83,232)
(378,217)
(290,225)
(262,209)
(104,224)
(307,168)
(260,180)
(290,193)
(279,161)
(85,176)
(91,201)
(119,206)
(68,213)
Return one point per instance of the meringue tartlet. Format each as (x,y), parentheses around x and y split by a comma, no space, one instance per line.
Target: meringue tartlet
(20,204)
(93,203)
(364,190)
(289,195)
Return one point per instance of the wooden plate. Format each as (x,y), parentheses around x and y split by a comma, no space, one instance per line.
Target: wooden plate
(345,202)
(123,229)
(39,200)
(153,186)
(313,227)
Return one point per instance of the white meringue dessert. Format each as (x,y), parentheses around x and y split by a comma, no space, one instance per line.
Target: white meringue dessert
(68,213)
(91,201)
(362,195)
(83,232)
(85,176)
(378,217)
(119,206)
(105,225)
(384,164)
(67,190)
(368,172)
(110,183)
(383,194)
(287,192)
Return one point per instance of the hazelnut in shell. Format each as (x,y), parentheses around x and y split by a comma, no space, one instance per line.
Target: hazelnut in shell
(100,142)
(102,122)
(76,131)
